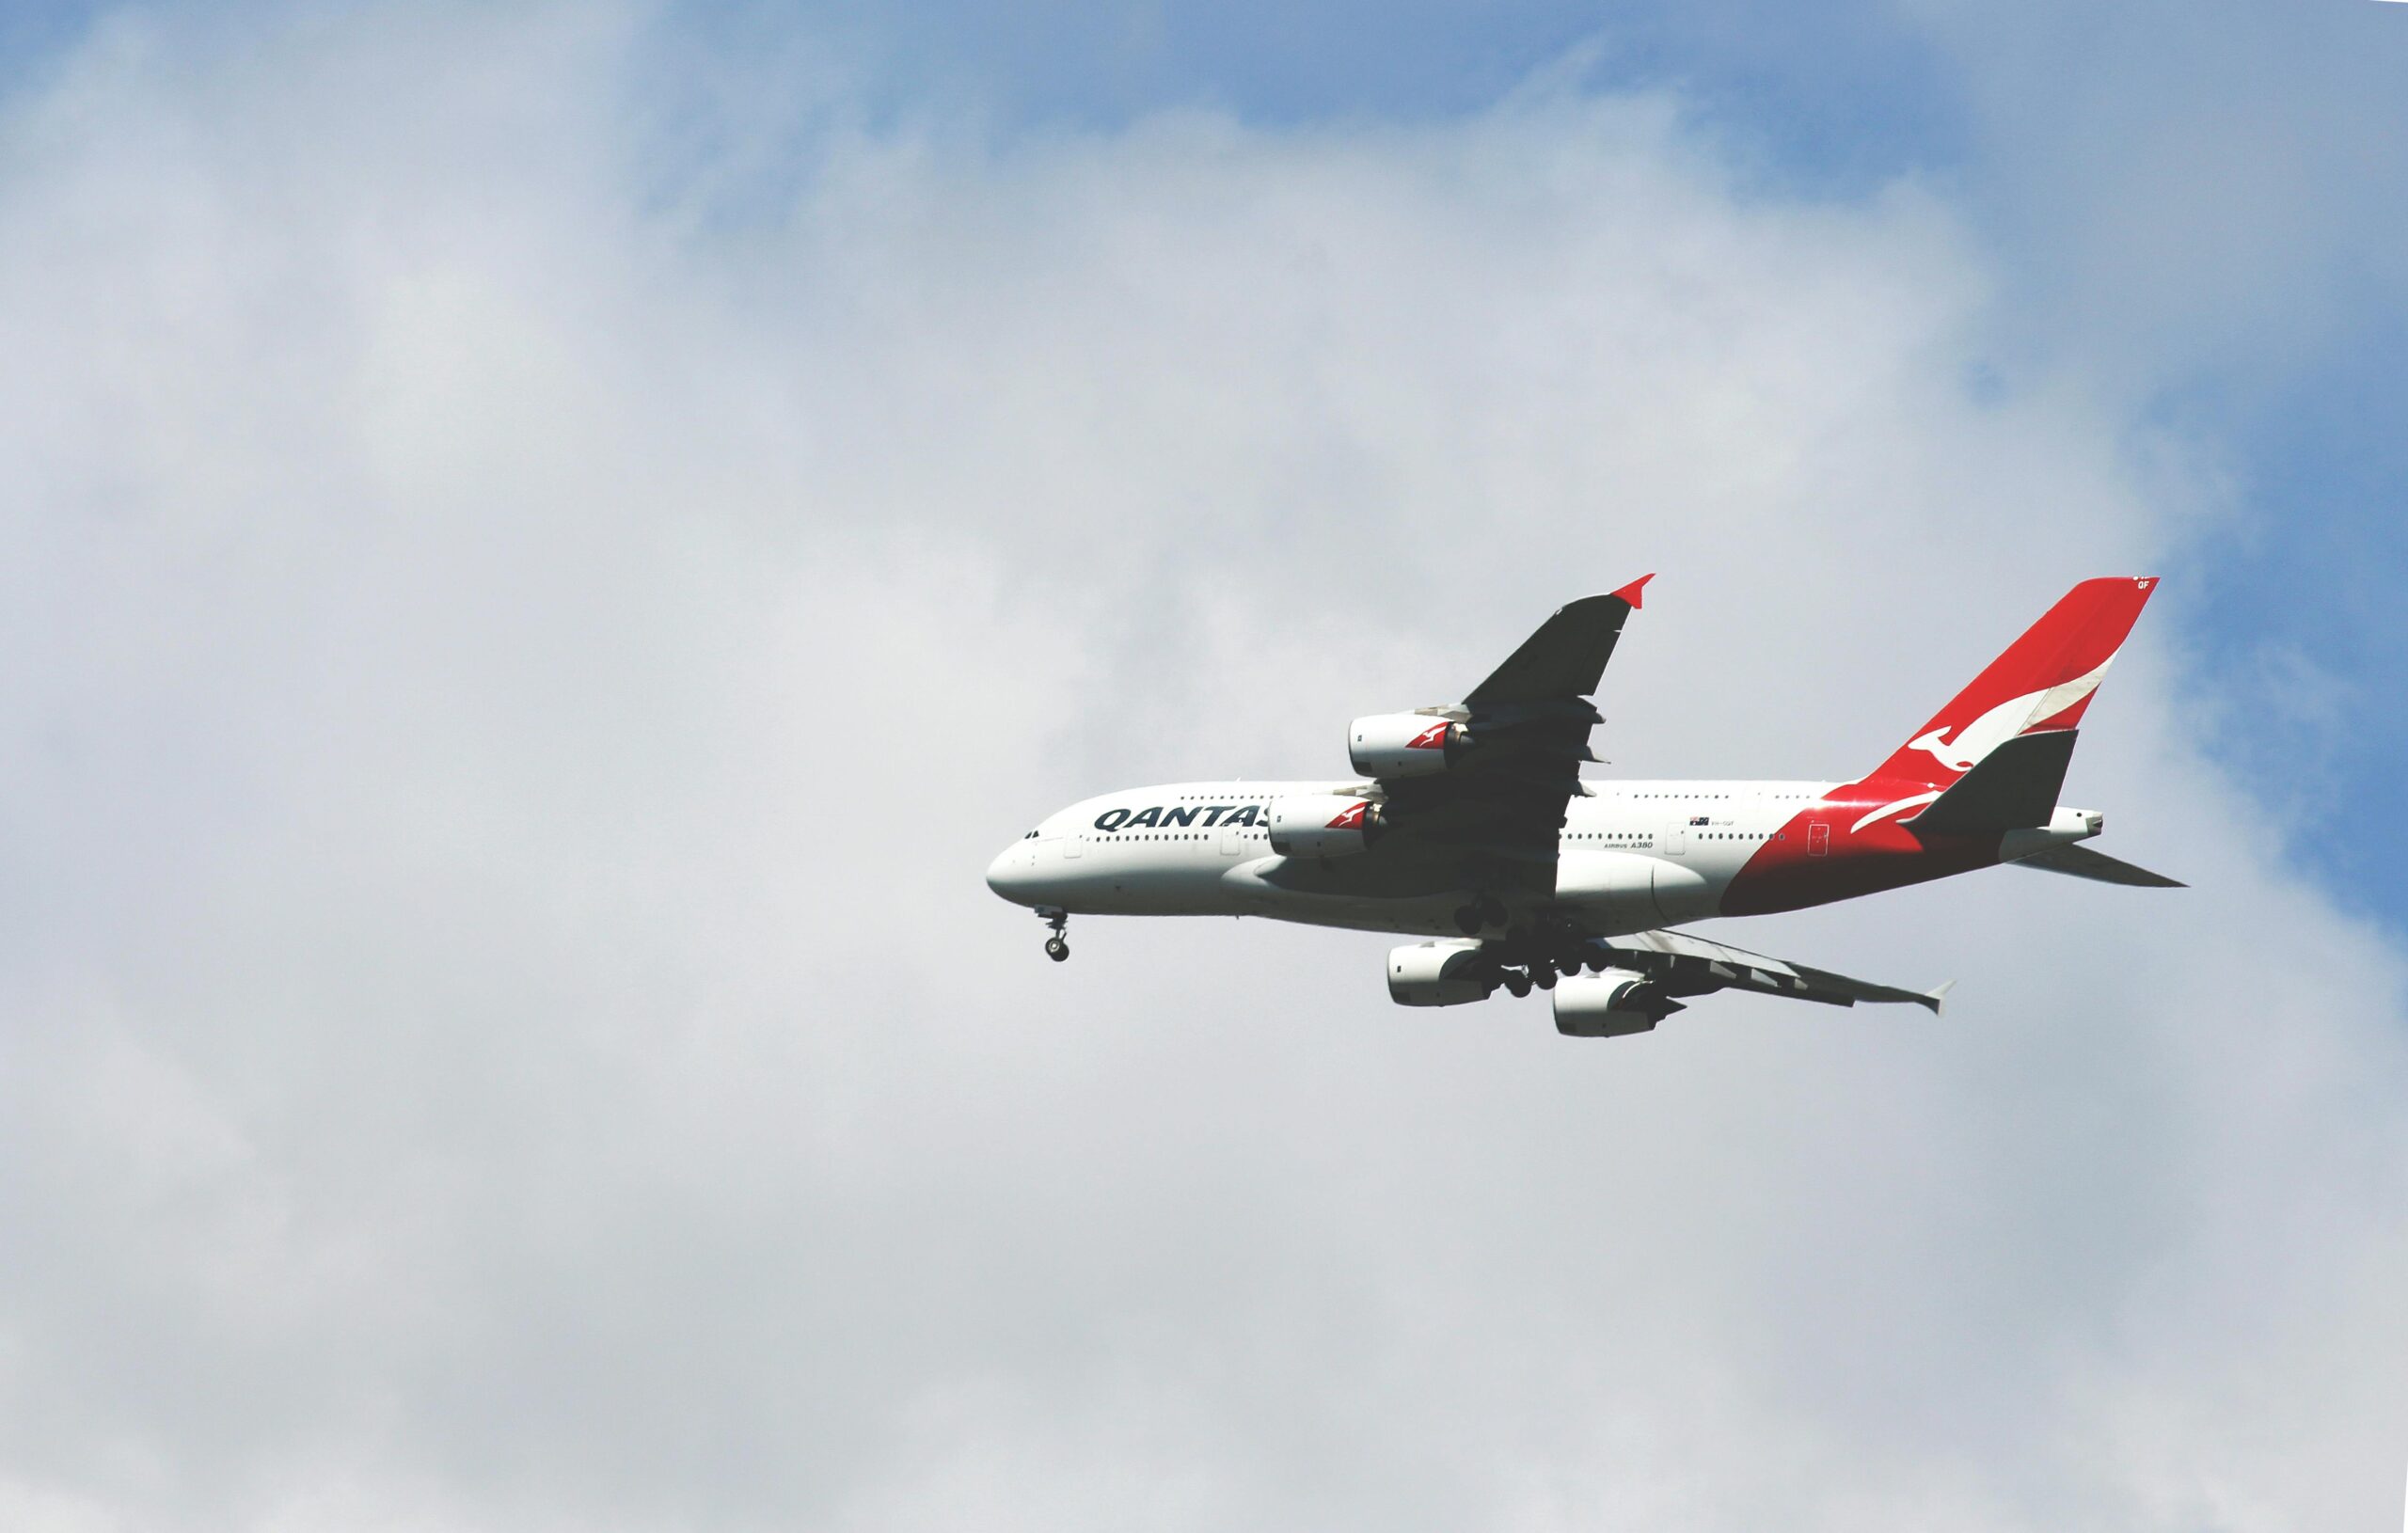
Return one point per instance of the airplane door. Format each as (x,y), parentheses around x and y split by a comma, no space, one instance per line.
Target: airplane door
(1229,844)
(1818,839)
(1075,844)
(1676,839)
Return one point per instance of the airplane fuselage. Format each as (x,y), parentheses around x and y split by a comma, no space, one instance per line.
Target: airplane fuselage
(1631,856)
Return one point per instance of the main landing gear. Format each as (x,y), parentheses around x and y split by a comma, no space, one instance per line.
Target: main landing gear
(1528,959)
(1521,977)
(1056,947)
(1485,911)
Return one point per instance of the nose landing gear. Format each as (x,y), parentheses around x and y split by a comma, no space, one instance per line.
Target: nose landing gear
(1056,947)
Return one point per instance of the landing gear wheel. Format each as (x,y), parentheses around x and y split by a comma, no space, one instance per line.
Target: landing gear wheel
(1055,948)
(1492,909)
(1517,981)
(1567,966)
(1468,919)
(1543,976)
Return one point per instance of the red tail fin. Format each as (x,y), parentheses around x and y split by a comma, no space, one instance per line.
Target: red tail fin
(2044,681)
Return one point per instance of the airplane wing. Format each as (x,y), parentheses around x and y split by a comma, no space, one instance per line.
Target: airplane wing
(1682,965)
(1504,804)
(1565,658)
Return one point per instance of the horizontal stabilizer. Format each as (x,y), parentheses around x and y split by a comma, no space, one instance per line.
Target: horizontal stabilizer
(2013,788)
(2081,863)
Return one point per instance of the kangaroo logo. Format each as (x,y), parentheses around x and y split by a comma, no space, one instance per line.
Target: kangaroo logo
(1956,758)
(2002,723)
(1353,818)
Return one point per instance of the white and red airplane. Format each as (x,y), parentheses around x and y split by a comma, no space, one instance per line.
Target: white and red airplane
(1471,821)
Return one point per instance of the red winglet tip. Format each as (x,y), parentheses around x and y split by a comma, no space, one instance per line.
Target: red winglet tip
(1630,592)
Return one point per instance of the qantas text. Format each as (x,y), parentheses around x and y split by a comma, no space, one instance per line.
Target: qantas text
(1121,819)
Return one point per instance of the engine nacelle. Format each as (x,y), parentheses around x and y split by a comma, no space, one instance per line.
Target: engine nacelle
(1610,1005)
(1323,825)
(1440,973)
(1404,744)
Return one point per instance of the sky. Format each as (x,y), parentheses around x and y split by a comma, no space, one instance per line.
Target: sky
(2195,207)
(545,548)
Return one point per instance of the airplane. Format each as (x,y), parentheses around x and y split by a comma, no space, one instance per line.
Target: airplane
(1471,825)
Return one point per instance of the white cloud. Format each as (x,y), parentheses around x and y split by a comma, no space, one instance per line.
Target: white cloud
(515,677)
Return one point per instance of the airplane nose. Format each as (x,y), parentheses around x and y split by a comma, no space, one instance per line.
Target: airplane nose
(1007,876)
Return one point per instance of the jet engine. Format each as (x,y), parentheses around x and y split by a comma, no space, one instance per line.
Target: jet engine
(1404,744)
(1607,1006)
(1323,825)
(1440,973)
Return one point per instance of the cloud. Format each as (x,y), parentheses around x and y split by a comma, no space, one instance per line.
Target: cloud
(519,659)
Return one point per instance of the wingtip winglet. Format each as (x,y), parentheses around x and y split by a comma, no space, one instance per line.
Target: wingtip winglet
(1631,592)
(1937,998)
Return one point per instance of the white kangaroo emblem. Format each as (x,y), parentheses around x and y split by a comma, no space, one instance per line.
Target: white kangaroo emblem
(1937,743)
(2002,723)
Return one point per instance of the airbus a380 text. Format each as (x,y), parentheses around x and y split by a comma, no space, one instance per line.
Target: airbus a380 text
(1469,824)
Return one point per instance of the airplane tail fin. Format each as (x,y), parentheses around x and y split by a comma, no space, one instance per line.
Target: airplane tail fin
(2015,787)
(2042,683)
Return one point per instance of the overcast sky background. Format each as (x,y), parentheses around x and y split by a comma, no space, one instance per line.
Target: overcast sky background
(545,548)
